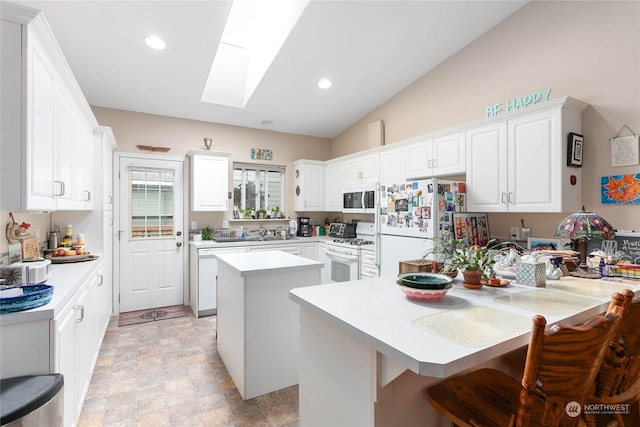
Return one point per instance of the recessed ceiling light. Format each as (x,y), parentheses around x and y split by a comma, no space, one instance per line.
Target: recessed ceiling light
(155,42)
(267,122)
(325,84)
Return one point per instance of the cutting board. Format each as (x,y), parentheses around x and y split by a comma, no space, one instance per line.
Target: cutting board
(30,248)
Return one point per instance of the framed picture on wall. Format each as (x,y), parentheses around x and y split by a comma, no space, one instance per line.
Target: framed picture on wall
(574,150)
(471,227)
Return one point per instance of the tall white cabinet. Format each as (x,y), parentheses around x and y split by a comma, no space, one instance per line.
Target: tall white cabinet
(47,129)
(520,164)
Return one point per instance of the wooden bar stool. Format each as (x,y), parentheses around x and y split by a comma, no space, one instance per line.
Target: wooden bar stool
(618,381)
(560,369)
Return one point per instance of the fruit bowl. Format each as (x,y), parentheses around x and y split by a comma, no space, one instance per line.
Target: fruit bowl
(424,294)
(424,280)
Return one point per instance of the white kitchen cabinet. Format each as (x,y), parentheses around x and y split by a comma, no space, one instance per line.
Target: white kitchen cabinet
(308,184)
(439,156)
(209,180)
(309,250)
(362,169)
(43,124)
(520,164)
(487,168)
(392,165)
(77,333)
(334,183)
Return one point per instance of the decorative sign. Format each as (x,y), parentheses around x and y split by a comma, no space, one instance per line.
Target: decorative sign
(517,103)
(261,154)
(624,151)
(620,189)
(629,243)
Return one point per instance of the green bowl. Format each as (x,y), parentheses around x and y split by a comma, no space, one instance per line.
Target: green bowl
(424,280)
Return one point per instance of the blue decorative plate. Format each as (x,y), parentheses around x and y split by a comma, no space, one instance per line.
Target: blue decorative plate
(33,296)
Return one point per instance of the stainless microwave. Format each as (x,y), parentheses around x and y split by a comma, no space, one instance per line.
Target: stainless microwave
(359,200)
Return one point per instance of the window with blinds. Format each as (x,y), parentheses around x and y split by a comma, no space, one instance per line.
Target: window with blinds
(152,203)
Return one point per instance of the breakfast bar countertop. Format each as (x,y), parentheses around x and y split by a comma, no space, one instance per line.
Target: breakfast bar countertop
(464,329)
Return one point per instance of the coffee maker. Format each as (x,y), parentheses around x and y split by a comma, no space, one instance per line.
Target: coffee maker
(304,226)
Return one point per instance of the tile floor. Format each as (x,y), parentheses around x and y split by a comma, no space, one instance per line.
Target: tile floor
(169,373)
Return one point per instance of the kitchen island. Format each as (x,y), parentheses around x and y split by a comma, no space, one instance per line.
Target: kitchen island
(257,324)
(367,352)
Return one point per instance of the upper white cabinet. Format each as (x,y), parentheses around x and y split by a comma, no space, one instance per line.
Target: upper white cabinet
(209,180)
(308,183)
(334,178)
(47,129)
(440,156)
(392,164)
(361,169)
(520,164)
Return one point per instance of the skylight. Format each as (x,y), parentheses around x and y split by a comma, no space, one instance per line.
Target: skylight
(254,33)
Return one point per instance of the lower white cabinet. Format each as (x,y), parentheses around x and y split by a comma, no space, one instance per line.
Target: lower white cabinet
(77,333)
(309,250)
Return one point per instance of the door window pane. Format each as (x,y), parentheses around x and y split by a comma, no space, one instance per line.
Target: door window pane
(152,204)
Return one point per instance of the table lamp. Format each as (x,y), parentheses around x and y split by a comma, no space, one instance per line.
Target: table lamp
(582,226)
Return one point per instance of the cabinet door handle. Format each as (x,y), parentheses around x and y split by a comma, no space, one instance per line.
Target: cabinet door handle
(88,196)
(429,164)
(61,188)
(510,198)
(434,163)
(101,281)
(502,198)
(81,308)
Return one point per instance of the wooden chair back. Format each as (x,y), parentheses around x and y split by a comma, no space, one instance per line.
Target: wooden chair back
(621,366)
(561,366)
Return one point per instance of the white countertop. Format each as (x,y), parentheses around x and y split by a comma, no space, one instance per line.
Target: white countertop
(251,264)
(66,279)
(377,312)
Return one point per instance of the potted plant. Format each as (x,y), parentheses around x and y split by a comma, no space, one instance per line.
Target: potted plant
(475,262)
(207,233)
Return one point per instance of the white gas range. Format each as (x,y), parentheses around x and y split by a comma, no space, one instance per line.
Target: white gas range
(352,258)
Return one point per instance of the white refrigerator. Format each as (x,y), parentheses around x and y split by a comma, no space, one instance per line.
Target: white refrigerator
(410,214)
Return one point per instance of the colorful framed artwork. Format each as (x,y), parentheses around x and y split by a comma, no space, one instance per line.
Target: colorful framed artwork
(620,189)
(471,227)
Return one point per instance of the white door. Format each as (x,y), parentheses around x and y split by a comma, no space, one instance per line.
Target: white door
(150,229)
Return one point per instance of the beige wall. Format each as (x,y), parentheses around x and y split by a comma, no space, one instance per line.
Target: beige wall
(132,129)
(587,50)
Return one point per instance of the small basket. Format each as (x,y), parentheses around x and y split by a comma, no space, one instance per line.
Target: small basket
(33,296)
